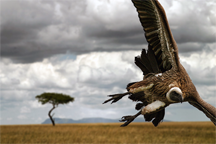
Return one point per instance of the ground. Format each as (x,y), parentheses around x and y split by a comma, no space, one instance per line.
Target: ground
(166,132)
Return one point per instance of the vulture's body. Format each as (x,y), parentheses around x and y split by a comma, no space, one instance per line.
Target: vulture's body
(165,80)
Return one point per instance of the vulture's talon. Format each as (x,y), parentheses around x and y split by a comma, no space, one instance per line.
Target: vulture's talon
(128,120)
(116,97)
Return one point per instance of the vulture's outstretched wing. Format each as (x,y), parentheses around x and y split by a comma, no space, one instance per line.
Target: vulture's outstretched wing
(158,34)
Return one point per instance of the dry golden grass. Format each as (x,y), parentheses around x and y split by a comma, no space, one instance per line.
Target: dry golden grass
(166,132)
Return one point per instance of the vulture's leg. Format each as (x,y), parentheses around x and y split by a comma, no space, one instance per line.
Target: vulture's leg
(116,97)
(129,119)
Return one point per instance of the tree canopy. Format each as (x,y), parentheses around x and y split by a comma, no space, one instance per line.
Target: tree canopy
(54,98)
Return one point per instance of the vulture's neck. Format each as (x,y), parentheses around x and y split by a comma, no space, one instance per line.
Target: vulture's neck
(206,108)
(206,105)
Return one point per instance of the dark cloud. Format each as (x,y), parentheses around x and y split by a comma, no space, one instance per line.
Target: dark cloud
(193,33)
(39,29)
(20,31)
(188,48)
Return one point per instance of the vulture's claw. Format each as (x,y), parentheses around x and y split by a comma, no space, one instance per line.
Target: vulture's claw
(129,119)
(116,97)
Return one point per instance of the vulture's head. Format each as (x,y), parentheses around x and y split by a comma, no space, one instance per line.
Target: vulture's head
(174,95)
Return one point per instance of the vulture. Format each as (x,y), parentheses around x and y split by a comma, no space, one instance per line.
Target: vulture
(165,80)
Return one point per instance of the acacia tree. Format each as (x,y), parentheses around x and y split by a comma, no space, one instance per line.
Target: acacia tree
(55,99)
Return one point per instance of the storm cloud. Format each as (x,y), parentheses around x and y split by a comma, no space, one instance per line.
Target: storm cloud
(40,29)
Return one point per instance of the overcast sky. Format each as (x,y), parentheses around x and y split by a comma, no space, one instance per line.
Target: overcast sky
(86,49)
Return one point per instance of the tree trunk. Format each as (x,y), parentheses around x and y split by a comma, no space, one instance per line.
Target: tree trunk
(49,114)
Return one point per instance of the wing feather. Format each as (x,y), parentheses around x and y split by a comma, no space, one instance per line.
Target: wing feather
(157,32)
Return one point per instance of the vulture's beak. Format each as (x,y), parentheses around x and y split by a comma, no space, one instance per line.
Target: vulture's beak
(175,95)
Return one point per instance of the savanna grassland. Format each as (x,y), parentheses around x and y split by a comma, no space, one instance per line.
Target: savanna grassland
(166,132)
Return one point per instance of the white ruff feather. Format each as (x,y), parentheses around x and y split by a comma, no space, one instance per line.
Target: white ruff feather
(153,107)
(142,88)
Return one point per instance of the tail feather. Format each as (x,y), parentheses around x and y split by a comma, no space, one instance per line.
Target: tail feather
(147,62)
(153,61)
(139,63)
